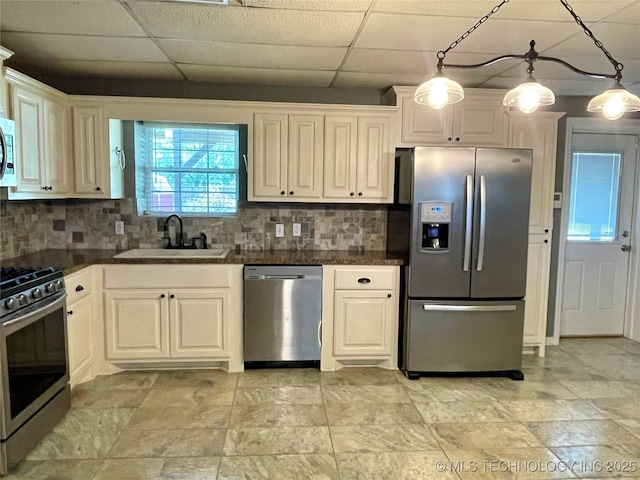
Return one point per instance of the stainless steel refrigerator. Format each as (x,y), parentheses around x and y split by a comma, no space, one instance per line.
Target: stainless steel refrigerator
(461,220)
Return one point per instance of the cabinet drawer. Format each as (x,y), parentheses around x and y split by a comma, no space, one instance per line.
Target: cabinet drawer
(79,285)
(174,276)
(376,278)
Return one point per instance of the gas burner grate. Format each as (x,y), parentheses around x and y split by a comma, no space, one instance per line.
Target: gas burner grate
(14,276)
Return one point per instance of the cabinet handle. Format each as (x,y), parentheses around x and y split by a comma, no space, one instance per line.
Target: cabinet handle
(364,280)
(291,192)
(172,296)
(70,312)
(79,288)
(98,189)
(388,295)
(162,295)
(351,194)
(282,192)
(359,194)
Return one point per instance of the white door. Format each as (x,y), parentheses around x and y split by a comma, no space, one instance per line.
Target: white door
(598,235)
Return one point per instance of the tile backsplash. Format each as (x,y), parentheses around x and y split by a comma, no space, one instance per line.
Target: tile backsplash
(29,226)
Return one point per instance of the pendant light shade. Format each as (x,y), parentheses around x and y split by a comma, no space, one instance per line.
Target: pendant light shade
(528,96)
(439,92)
(614,103)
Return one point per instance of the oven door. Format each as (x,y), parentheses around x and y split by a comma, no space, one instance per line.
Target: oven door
(33,360)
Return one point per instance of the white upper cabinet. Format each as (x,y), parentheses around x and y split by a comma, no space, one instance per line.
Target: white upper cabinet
(288,152)
(322,156)
(478,120)
(97,169)
(43,140)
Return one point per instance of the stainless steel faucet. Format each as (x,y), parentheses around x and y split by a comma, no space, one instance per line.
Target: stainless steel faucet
(166,229)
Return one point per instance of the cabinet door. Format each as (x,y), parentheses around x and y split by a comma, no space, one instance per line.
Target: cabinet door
(480,121)
(340,147)
(540,134)
(57,147)
(374,165)
(27,111)
(91,165)
(362,323)
(305,152)
(80,338)
(537,291)
(423,124)
(136,324)
(270,143)
(199,323)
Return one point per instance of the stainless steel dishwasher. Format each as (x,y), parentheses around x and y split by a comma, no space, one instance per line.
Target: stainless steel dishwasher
(282,314)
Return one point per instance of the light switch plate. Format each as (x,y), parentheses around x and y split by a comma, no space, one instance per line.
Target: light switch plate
(296,230)
(119,227)
(279,229)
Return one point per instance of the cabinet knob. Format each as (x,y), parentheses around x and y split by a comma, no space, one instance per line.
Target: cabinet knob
(351,194)
(70,312)
(79,288)
(291,192)
(546,230)
(283,192)
(449,139)
(162,295)
(546,241)
(172,296)
(388,295)
(457,139)
(98,189)
(359,194)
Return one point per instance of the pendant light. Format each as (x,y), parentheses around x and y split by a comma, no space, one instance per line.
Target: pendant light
(530,95)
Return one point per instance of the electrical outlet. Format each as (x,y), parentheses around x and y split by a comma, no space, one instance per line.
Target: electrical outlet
(279,229)
(119,227)
(296,229)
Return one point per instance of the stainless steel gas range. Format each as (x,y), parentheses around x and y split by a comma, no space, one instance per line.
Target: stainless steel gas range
(34,367)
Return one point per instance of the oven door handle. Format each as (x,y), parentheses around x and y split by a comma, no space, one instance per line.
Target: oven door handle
(19,320)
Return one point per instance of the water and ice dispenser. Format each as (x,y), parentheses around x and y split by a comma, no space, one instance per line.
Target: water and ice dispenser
(435,218)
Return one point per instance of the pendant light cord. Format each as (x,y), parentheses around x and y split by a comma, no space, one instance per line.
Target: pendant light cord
(617,65)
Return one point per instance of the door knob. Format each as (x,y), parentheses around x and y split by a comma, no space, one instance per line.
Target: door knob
(625,248)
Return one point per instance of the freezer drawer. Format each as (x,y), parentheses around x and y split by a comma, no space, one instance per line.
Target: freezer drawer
(282,313)
(448,336)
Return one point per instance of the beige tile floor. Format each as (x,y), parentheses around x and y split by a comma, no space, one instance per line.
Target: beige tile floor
(577,414)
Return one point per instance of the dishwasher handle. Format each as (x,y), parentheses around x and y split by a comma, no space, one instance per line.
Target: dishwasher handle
(283,277)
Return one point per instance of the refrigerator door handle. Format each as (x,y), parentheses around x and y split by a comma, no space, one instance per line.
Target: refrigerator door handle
(468,308)
(483,222)
(468,225)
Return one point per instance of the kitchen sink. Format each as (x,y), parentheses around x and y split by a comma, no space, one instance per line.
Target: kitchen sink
(173,253)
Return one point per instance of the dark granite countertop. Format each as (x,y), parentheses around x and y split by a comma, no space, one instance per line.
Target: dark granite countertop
(70,261)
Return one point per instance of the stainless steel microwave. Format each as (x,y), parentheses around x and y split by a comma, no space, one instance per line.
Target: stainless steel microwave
(7,153)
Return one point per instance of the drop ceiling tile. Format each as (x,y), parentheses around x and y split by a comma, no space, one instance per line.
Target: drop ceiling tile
(631,14)
(551,10)
(77,47)
(90,68)
(622,41)
(248,25)
(402,32)
(103,17)
(412,61)
(257,76)
(254,55)
(331,5)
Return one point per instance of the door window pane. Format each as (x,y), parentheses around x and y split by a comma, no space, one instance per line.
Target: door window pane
(593,207)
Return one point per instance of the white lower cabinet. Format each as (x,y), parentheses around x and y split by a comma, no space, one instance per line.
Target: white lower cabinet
(360,316)
(146,323)
(81,326)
